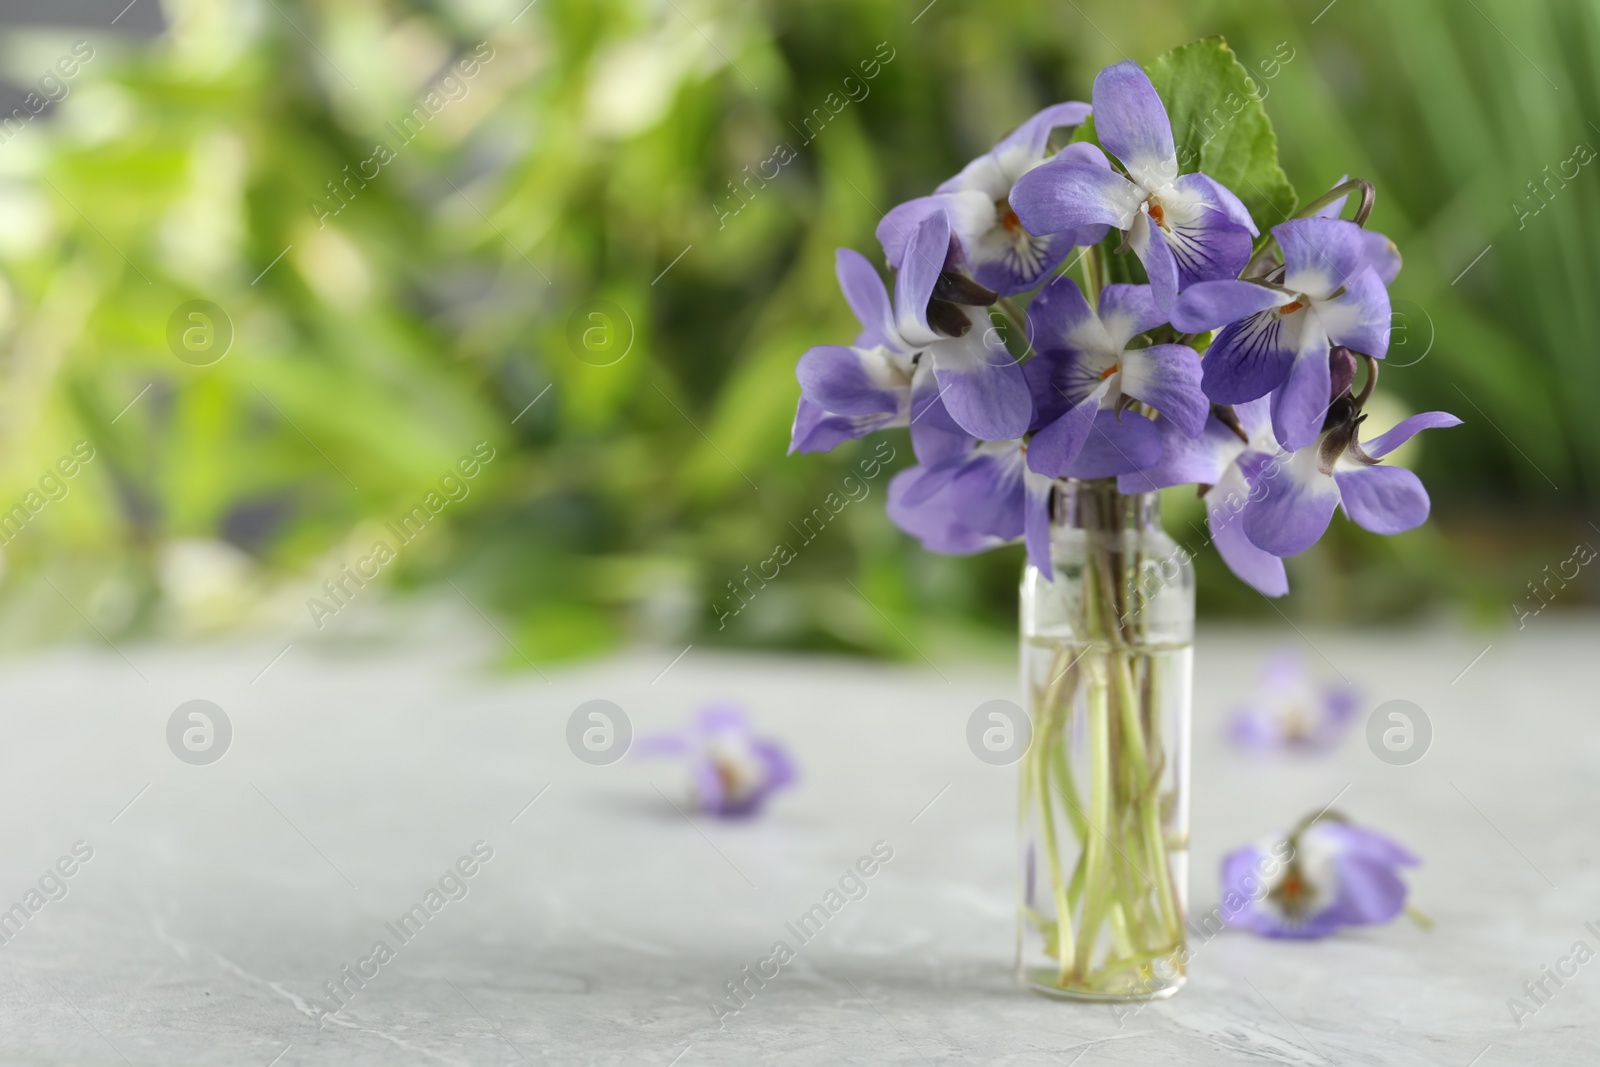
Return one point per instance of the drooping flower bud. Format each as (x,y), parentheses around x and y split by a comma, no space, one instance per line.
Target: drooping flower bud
(1342,368)
(952,289)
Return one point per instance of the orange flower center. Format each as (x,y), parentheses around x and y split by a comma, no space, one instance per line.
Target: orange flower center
(1291,307)
(1008,218)
(1157,215)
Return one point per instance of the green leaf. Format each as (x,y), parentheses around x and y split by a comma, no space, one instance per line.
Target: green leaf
(1220,126)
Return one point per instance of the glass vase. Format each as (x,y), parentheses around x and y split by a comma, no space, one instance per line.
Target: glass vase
(1106,668)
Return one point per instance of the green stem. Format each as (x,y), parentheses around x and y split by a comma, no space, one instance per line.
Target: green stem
(1054,713)
(1014,315)
(1121,888)
(1155,835)
(1146,800)
(1094,274)
(1068,785)
(1096,882)
(1065,949)
(1117,920)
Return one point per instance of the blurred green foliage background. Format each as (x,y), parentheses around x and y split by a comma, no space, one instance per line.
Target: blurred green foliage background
(599,153)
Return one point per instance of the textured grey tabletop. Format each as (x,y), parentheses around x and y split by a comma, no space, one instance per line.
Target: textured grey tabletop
(219,899)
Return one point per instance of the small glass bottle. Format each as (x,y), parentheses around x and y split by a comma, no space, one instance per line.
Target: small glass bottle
(1106,672)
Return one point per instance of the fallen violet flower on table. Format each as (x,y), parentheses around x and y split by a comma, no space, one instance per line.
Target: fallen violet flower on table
(732,771)
(1293,709)
(1326,873)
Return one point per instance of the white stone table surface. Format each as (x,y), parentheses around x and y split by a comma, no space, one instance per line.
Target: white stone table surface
(219,899)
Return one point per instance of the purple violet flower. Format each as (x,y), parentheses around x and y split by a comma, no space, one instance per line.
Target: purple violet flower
(901,365)
(1292,709)
(848,392)
(1184,228)
(732,770)
(1299,490)
(975,501)
(1381,253)
(991,245)
(1318,878)
(1085,368)
(1216,461)
(1266,424)
(1275,339)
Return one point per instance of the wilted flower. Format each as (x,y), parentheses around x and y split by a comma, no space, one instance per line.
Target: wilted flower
(1321,876)
(1293,709)
(732,770)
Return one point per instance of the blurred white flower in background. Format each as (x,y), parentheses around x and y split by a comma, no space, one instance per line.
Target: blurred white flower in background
(209,37)
(200,236)
(332,265)
(635,81)
(27,222)
(206,585)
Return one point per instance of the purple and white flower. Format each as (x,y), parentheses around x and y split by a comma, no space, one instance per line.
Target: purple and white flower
(1299,492)
(732,771)
(1323,876)
(874,384)
(1086,373)
(901,365)
(1276,338)
(975,501)
(1293,709)
(1184,228)
(1381,253)
(993,247)
(1216,461)
(1265,423)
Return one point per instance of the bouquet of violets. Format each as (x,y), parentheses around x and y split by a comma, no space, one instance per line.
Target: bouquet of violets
(1082,316)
